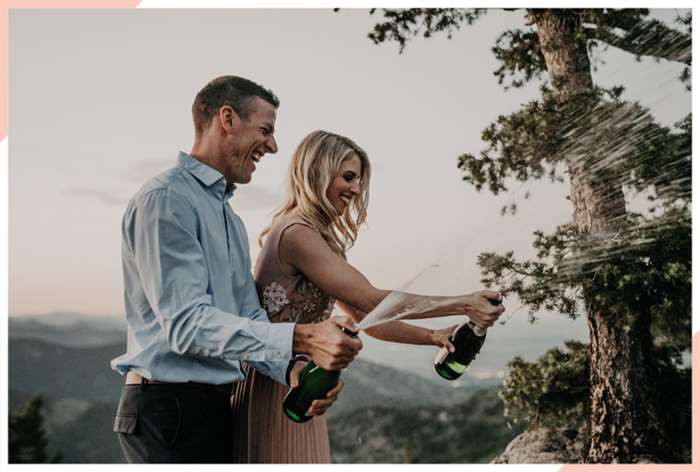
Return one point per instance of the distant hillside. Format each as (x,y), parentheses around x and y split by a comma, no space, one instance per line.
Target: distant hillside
(60,372)
(82,393)
(84,373)
(67,329)
(81,430)
(79,330)
(473,431)
(368,384)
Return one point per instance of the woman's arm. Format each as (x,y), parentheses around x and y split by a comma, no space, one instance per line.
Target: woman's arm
(304,249)
(400,332)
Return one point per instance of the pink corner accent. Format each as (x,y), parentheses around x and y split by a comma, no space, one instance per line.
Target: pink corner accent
(693,467)
(695,361)
(5,6)
(629,468)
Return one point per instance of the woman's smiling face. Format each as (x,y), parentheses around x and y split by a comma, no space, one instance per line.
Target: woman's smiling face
(345,184)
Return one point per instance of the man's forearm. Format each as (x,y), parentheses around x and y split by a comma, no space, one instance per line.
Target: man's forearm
(302,338)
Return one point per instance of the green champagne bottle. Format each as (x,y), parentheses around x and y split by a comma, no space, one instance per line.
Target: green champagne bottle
(467,339)
(314,384)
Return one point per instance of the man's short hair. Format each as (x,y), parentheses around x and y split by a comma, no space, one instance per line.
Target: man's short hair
(230,90)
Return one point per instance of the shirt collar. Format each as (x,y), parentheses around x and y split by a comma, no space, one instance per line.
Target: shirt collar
(209,176)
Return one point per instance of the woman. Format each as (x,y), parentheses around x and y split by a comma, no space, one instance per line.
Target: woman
(302,272)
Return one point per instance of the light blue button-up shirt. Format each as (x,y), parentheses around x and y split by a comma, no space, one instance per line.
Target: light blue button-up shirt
(192,309)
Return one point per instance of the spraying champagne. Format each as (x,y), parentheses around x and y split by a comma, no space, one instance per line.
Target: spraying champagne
(467,339)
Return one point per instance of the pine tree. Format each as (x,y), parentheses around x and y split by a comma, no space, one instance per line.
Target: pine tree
(26,435)
(628,273)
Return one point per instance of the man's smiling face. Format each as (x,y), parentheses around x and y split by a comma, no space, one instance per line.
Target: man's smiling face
(249,139)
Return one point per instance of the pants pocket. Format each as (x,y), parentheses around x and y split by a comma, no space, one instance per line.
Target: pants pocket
(127,411)
(124,424)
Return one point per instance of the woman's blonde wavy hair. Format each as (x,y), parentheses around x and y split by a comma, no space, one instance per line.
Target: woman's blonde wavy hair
(315,164)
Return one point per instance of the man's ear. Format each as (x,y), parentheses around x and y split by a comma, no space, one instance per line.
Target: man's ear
(228,118)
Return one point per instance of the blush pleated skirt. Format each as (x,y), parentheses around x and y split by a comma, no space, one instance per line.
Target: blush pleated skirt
(262,432)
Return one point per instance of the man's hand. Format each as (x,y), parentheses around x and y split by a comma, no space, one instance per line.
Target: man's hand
(483,307)
(318,407)
(326,344)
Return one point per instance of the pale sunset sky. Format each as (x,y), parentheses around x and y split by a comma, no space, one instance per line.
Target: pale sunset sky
(100,102)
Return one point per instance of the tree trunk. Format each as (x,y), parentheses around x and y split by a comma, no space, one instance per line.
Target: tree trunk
(622,418)
(624,424)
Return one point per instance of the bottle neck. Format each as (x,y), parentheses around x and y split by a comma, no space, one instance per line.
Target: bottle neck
(478,331)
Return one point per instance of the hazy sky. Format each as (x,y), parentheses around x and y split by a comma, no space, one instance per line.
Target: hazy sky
(100,101)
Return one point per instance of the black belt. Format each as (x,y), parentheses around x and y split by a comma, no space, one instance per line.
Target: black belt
(132,378)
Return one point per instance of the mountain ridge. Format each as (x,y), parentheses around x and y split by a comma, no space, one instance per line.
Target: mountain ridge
(82,394)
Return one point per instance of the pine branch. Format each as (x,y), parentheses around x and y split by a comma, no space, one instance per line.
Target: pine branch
(402,24)
(644,38)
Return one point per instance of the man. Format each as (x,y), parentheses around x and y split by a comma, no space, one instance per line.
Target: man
(192,310)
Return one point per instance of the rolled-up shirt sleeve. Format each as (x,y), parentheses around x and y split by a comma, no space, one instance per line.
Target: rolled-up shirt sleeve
(161,231)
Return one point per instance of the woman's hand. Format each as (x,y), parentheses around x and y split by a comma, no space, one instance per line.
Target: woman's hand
(295,373)
(483,307)
(441,337)
(318,407)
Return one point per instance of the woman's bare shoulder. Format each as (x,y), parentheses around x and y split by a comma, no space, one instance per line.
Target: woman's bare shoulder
(301,245)
(301,237)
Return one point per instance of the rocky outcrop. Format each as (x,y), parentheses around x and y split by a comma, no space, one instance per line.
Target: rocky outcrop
(543,446)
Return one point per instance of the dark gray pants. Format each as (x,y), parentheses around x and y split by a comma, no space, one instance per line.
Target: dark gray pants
(175,423)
